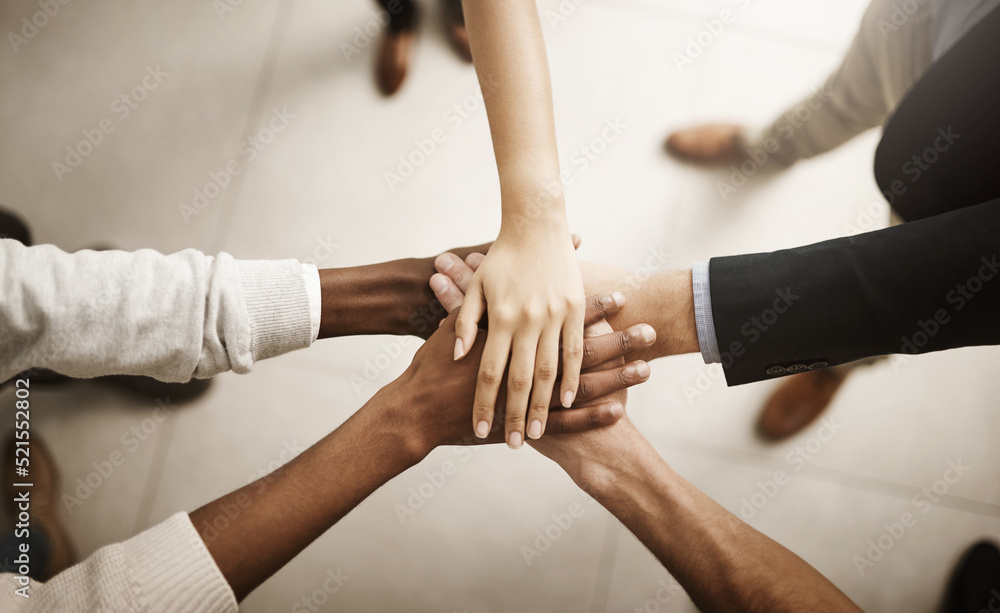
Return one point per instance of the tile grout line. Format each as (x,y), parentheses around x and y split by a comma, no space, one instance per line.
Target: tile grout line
(261,91)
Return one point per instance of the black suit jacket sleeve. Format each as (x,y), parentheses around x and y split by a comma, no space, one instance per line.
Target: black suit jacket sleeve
(924,286)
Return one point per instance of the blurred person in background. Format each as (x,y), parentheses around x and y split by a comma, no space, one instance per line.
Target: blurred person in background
(897,42)
(401,17)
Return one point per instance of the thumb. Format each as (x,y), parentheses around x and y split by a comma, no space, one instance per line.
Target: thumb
(467,323)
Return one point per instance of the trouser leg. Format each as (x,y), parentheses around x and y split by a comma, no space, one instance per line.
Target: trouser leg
(402,14)
(883,61)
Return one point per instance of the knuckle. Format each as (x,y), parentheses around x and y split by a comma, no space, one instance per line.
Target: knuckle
(515,421)
(589,353)
(555,309)
(625,342)
(533,313)
(546,371)
(489,376)
(621,378)
(585,389)
(539,411)
(504,315)
(594,417)
(555,426)
(519,381)
(573,349)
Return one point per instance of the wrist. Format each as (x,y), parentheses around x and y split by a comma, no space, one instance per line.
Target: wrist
(392,409)
(678,320)
(535,205)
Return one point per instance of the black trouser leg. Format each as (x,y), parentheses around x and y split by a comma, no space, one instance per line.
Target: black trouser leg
(402,14)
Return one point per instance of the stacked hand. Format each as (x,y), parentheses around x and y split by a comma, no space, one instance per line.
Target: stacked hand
(434,394)
(531,281)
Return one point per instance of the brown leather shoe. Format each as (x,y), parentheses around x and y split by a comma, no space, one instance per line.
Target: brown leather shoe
(798,401)
(44,500)
(394,60)
(716,143)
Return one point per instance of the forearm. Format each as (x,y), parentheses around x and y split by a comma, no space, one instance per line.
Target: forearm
(387,298)
(254,531)
(664,300)
(171,317)
(509,54)
(724,564)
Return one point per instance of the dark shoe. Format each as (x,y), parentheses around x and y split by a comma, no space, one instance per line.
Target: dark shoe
(975,584)
(798,402)
(708,144)
(11,226)
(44,501)
(454,24)
(394,59)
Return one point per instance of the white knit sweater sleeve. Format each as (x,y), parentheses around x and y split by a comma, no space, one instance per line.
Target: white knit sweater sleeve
(171,317)
(166,569)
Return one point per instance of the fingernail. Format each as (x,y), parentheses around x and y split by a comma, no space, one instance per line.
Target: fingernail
(445,264)
(642,369)
(568,399)
(617,410)
(619,299)
(648,333)
(459,348)
(514,442)
(438,284)
(535,428)
(482,429)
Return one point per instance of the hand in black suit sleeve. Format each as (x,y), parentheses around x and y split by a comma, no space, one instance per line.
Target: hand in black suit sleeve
(924,286)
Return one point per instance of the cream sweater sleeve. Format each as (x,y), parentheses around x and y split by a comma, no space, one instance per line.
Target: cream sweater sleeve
(166,569)
(171,317)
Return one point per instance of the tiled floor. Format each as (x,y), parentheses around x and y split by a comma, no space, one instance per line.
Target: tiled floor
(321,182)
